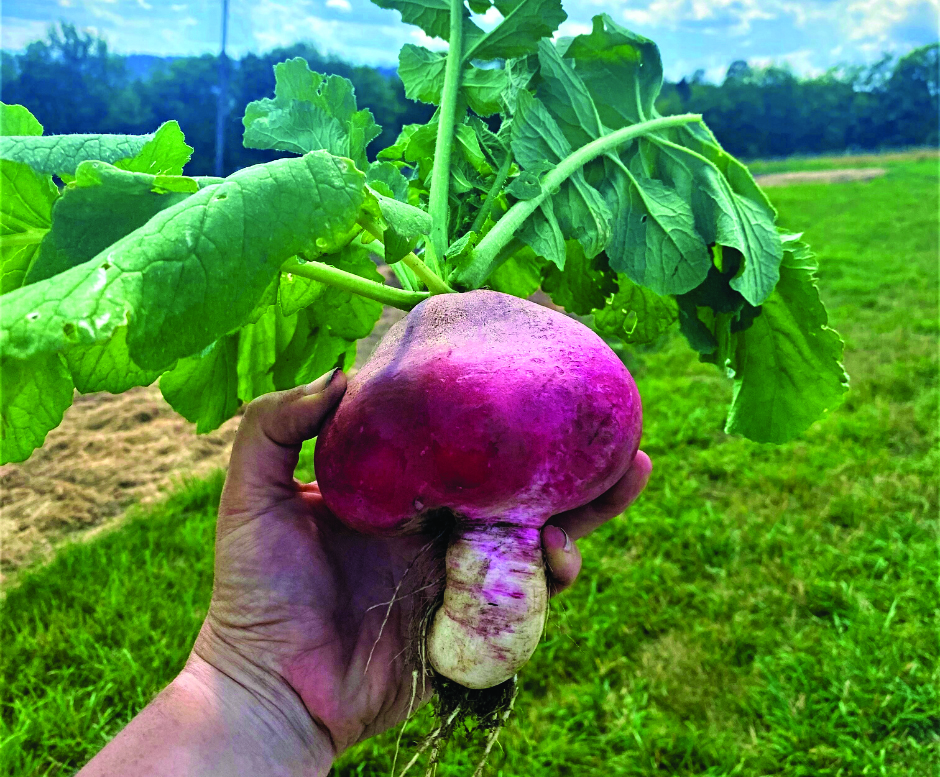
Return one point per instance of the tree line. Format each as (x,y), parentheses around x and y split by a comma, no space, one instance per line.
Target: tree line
(73,84)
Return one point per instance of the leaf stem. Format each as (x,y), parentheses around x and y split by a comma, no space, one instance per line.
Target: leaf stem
(482,260)
(492,194)
(387,295)
(431,279)
(438,205)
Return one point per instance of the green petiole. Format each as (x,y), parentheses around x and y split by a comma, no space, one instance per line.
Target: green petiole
(440,174)
(387,295)
(484,258)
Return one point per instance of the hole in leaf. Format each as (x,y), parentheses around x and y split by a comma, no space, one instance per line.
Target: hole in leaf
(106,266)
(68,329)
(643,219)
(32,316)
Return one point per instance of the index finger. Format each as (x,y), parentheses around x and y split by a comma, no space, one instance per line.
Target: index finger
(583,520)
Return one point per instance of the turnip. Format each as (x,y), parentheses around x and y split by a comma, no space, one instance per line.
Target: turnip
(486,415)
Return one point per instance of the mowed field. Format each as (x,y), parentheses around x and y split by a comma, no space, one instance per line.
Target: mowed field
(760,611)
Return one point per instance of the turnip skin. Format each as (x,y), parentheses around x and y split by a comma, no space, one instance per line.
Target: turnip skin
(503,412)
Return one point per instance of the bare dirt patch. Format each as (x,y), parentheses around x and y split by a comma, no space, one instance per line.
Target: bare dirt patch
(843,175)
(110,451)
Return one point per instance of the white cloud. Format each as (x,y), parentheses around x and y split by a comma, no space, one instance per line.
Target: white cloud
(145,5)
(671,13)
(189,21)
(342,5)
(178,7)
(872,20)
(16,33)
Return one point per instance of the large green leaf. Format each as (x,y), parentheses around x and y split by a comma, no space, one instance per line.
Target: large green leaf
(566,97)
(432,16)
(34,395)
(654,237)
(165,154)
(583,285)
(622,70)
(787,366)
(102,205)
(17,120)
(58,154)
(310,112)
(635,314)
(422,74)
(194,271)
(107,366)
(524,24)
(26,200)
(520,275)
(203,388)
(579,208)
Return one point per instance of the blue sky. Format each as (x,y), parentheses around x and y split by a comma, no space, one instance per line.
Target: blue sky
(810,35)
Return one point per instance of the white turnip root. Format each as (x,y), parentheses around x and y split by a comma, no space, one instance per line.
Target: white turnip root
(503,412)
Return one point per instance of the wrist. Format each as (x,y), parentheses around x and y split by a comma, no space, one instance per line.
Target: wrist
(259,707)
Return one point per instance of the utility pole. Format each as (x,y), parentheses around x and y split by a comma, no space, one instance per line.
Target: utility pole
(222,107)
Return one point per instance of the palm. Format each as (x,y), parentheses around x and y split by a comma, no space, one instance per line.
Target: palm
(311,595)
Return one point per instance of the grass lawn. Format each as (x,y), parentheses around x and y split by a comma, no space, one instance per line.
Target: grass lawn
(761,611)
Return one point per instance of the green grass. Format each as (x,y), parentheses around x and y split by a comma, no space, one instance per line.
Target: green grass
(761,611)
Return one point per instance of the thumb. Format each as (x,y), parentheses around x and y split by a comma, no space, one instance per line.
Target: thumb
(267,444)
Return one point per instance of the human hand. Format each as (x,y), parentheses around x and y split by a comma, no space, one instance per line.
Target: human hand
(299,599)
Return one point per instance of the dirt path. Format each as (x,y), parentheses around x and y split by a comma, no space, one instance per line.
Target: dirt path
(820,176)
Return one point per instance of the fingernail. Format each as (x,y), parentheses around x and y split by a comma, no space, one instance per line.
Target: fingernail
(551,532)
(320,383)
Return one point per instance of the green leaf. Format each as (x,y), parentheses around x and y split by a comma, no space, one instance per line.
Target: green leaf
(34,395)
(611,60)
(407,220)
(165,154)
(107,366)
(654,238)
(386,178)
(204,388)
(579,208)
(635,314)
(62,154)
(524,24)
(543,235)
(566,97)
(348,315)
(257,352)
(102,205)
(195,270)
(787,363)
(744,217)
(422,74)
(582,286)
(312,351)
(520,275)
(525,186)
(432,16)
(17,120)
(310,112)
(26,200)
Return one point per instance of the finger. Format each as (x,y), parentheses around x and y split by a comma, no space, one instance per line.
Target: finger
(582,521)
(562,558)
(267,445)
